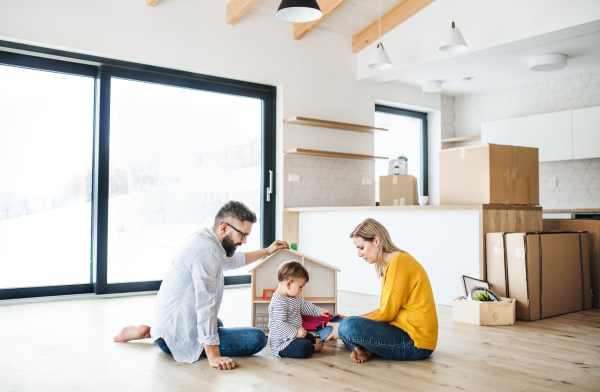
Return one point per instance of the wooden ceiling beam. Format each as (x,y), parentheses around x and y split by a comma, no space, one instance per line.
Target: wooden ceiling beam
(152,3)
(238,8)
(389,21)
(328,8)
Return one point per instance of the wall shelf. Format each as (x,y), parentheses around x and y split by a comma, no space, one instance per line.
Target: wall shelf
(461,139)
(333,125)
(331,154)
(320,300)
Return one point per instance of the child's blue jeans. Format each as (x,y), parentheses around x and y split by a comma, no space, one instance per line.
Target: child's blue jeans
(383,339)
(300,347)
(234,342)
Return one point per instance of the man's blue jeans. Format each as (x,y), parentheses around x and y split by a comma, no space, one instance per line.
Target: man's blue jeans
(234,341)
(383,339)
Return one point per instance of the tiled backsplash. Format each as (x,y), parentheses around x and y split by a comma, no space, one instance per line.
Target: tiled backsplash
(577,184)
(327,182)
(578,181)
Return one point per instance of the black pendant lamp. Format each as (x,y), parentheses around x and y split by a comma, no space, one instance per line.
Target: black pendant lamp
(299,10)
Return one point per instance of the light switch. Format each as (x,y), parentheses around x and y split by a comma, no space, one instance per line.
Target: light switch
(552,183)
(367,181)
(294,178)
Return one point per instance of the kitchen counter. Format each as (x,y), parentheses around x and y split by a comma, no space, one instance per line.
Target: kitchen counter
(449,241)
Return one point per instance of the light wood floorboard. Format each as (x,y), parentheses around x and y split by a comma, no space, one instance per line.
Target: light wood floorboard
(67,346)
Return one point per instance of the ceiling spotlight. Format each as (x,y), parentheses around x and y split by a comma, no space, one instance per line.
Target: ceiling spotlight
(432,86)
(467,79)
(299,10)
(548,62)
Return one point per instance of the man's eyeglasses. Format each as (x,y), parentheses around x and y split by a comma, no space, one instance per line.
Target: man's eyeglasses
(244,235)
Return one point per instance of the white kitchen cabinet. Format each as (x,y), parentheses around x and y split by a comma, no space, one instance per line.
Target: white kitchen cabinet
(586,133)
(496,132)
(552,133)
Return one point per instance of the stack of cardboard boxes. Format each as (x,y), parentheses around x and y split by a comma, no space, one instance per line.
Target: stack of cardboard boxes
(547,273)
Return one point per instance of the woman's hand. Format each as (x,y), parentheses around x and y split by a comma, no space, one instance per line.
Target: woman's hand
(334,333)
(325,312)
(222,363)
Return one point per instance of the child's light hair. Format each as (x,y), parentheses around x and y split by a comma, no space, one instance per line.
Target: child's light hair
(368,230)
(291,270)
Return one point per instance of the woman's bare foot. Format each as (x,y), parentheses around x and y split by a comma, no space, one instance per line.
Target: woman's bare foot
(318,347)
(133,333)
(360,355)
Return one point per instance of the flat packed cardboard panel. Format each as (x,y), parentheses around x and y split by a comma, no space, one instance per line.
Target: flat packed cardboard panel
(593,229)
(548,273)
(496,264)
(489,174)
(398,190)
(562,278)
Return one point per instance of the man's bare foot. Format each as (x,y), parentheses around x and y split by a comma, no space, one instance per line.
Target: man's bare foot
(133,333)
(360,355)
(318,347)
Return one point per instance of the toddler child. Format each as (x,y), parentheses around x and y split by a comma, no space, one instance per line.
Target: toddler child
(287,338)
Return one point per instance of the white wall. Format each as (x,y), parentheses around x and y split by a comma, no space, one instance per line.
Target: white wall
(316,77)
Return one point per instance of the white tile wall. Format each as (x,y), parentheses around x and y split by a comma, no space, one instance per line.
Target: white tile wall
(327,182)
(578,182)
(448,108)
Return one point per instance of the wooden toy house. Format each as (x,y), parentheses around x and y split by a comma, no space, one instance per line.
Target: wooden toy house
(321,288)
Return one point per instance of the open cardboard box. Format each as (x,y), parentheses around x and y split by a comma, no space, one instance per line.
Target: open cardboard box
(484,313)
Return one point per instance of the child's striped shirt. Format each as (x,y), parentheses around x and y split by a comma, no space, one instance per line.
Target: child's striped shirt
(285,319)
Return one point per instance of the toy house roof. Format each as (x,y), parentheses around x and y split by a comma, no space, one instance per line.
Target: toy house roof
(296,253)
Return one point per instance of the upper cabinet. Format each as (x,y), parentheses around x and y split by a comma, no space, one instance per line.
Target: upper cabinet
(566,135)
(552,133)
(586,133)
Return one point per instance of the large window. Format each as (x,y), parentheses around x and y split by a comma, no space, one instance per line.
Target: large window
(407,136)
(105,169)
(46,133)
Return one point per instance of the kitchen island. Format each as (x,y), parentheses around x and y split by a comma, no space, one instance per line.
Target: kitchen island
(449,241)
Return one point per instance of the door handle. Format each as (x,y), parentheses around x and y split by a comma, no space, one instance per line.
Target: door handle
(270,187)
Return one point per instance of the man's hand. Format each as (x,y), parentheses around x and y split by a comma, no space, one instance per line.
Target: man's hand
(325,312)
(300,333)
(222,363)
(277,245)
(334,333)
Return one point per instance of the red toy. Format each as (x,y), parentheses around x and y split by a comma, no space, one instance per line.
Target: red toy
(310,323)
(265,291)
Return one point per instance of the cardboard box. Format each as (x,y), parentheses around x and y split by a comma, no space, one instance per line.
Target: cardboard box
(398,191)
(489,174)
(548,273)
(496,269)
(593,229)
(484,313)
(397,167)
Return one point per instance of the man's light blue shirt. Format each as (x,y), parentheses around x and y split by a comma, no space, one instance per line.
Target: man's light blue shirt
(187,304)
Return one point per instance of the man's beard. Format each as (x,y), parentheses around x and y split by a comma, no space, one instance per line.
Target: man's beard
(229,245)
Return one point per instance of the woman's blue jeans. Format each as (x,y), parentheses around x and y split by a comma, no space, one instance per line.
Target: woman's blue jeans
(383,339)
(234,341)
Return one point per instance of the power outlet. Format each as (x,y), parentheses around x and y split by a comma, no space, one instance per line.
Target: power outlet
(294,178)
(367,181)
(552,183)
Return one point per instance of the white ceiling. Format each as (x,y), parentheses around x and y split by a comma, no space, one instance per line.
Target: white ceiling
(507,65)
(348,20)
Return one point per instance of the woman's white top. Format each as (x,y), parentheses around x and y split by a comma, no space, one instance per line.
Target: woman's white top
(285,317)
(187,304)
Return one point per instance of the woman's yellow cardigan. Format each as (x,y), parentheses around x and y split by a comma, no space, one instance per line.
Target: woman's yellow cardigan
(407,301)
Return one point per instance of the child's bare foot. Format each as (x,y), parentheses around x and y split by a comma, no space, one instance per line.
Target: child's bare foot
(318,347)
(360,355)
(133,333)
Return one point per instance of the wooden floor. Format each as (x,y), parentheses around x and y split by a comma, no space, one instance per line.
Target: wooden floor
(67,346)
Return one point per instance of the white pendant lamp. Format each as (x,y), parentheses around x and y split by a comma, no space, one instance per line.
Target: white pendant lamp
(299,10)
(453,41)
(379,59)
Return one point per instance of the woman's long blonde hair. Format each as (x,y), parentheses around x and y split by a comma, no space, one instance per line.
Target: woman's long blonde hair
(368,230)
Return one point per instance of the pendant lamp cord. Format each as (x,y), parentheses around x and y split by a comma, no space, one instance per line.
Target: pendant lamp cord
(380,20)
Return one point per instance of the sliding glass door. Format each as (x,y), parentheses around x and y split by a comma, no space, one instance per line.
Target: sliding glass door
(106,167)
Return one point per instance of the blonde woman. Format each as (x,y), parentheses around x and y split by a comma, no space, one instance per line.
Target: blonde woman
(405,326)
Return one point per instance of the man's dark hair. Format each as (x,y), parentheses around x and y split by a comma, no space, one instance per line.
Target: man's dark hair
(236,210)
